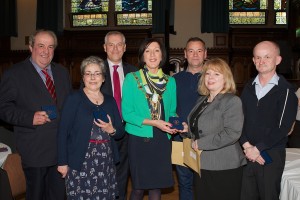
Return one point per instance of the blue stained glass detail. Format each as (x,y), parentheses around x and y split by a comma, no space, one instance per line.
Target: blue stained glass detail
(135,5)
(87,5)
(246,5)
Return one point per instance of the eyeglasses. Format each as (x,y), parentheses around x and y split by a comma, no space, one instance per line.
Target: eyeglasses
(95,75)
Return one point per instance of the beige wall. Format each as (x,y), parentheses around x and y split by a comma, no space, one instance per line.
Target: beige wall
(26,23)
(187,23)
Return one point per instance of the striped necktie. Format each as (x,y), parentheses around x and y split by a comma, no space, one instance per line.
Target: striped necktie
(117,87)
(49,84)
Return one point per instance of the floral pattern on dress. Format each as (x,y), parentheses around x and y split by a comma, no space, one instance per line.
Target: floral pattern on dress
(97,178)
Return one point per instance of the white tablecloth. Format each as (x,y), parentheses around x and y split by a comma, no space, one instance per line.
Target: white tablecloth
(290,182)
(3,155)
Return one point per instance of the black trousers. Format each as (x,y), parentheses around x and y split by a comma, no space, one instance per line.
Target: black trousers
(294,138)
(5,190)
(44,183)
(123,167)
(219,184)
(262,182)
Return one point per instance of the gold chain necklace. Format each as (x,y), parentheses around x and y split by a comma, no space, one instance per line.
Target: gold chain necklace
(154,104)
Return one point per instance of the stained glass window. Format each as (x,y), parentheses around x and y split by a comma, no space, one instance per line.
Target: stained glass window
(85,13)
(133,5)
(247,18)
(134,12)
(89,20)
(279,4)
(244,5)
(89,12)
(134,19)
(247,11)
(280,11)
(89,6)
(254,12)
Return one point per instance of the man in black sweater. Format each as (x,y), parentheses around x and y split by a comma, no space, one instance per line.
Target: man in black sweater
(270,107)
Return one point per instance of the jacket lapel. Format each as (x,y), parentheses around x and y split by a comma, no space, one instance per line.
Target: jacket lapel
(37,80)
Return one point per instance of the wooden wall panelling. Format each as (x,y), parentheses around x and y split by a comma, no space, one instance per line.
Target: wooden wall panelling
(4,43)
(235,47)
(74,46)
(248,38)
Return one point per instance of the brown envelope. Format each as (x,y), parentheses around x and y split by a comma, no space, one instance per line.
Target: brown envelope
(191,157)
(177,153)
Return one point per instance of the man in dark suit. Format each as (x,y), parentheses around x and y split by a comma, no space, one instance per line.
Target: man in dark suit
(24,90)
(115,47)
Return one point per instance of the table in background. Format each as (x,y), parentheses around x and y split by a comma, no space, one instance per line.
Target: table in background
(3,155)
(290,182)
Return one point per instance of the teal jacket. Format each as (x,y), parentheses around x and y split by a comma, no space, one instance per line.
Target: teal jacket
(135,107)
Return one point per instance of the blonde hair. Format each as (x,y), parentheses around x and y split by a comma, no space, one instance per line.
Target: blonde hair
(218,65)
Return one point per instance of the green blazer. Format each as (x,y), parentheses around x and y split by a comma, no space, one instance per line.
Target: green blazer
(135,107)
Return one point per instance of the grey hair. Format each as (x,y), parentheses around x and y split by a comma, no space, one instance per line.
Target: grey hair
(51,33)
(114,33)
(93,60)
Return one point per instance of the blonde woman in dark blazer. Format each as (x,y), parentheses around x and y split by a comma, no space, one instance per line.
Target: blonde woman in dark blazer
(216,124)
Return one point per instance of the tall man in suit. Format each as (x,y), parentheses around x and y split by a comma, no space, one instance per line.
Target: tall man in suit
(115,47)
(23,93)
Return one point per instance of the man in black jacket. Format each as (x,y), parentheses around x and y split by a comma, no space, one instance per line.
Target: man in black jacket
(270,107)
(23,93)
(115,47)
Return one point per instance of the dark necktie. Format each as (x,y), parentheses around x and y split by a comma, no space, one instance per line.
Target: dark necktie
(49,84)
(117,87)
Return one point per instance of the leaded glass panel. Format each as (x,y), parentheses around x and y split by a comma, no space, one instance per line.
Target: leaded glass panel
(247,11)
(95,12)
(280,5)
(89,20)
(134,19)
(134,12)
(247,18)
(89,6)
(133,5)
(89,12)
(280,17)
(247,5)
(280,14)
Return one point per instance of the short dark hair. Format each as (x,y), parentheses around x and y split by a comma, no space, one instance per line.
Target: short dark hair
(144,46)
(195,39)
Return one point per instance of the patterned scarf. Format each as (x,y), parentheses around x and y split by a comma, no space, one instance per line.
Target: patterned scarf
(154,85)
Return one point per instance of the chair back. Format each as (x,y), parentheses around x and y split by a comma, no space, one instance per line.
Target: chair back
(13,167)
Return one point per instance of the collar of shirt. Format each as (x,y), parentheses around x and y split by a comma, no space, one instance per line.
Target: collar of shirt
(198,73)
(39,70)
(120,71)
(111,69)
(262,91)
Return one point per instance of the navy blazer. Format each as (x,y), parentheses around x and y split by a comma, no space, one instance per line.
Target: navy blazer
(76,125)
(22,93)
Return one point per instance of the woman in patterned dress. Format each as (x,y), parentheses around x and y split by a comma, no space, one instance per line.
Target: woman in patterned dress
(87,152)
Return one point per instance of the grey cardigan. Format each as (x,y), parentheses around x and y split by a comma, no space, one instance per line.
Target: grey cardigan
(220,127)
